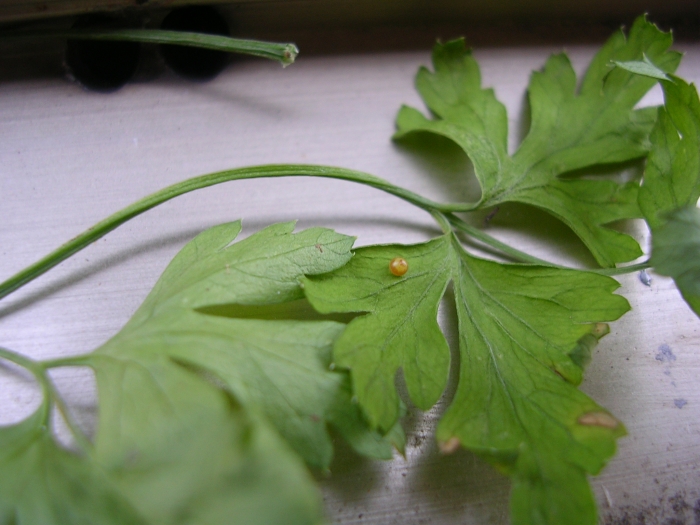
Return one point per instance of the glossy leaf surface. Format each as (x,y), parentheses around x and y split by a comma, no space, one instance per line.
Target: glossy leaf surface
(524,333)
(572,129)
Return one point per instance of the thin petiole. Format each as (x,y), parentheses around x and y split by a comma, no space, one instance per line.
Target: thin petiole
(523,257)
(442,221)
(80,439)
(39,374)
(623,269)
(256,172)
(99,230)
(78,360)
(284,53)
(28,364)
(507,250)
(38,370)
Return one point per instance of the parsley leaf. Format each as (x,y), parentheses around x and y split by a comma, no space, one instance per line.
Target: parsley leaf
(676,253)
(203,417)
(44,483)
(186,453)
(178,446)
(215,393)
(671,188)
(523,330)
(280,367)
(515,403)
(569,131)
(672,174)
(400,330)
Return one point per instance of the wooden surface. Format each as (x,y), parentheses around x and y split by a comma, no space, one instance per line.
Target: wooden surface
(68,158)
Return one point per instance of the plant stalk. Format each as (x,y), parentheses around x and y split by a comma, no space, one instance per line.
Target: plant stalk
(112,222)
(507,250)
(28,364)
(38,370)
(523,257)
(284,53)
(441,212)
(76,360)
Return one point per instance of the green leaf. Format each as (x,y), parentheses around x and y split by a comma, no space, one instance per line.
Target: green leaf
(45,484)
(543,488)
(262,269)
(570,131)
(186,395)
(524,334)
(180,449)
(516,403)
(279,367)
(672,175)
(401,314)
(676,253)
(671,189)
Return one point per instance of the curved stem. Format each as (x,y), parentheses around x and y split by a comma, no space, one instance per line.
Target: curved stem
(442,220)
(80,439)
(523,257)
(623,269)
(38,370)
(441,212)
(268,171)
(284,53)
(507,250)
(28,364)
(35,369)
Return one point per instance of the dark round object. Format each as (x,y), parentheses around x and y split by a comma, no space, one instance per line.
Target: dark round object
(191,62)
(101,65)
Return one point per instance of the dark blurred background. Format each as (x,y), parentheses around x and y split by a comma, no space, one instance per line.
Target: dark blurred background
(352,26)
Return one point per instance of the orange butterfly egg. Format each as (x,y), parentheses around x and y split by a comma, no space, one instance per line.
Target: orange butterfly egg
(398,266)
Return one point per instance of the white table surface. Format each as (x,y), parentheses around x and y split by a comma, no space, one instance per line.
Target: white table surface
(69,158)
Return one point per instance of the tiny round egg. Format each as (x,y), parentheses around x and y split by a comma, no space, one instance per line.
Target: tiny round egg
(398,266)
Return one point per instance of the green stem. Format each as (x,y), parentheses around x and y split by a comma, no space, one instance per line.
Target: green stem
(256,172)
(39,374)
(507,250)
(623,269)
(523,257)
(442,220)
(81,440)
(441,212)
(284,53)
(28,364)
(38,370)
(78,360)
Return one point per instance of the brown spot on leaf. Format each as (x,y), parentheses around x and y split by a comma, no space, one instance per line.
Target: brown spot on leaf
(449,446)
(598,419)
(600,329)
(491,215)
